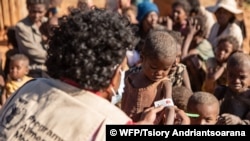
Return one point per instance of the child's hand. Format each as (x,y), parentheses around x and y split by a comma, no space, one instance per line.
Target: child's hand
(193,26)
(229,119)
(152,115)
(166,21)
(181,118)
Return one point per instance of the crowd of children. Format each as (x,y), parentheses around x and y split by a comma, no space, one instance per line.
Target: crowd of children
(198,69)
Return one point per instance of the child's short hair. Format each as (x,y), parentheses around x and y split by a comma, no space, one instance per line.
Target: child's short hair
(159,43)
(31,2)
(184,4)
(181,95)
(20,57)
(201,97)
(238,59)
(232,40)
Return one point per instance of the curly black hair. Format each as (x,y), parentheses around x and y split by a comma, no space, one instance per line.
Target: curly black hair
(87,45)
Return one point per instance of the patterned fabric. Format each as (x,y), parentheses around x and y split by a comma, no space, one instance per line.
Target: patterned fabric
(176,76)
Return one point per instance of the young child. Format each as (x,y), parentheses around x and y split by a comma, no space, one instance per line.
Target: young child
(151,84)
(18,70)
(180,14)
(181,96)
(196,50)
(179,75)
(216,66)
(203,108)
(196,42)
(235,98)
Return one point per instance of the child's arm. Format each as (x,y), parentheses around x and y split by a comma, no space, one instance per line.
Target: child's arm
(217,74)
(212,75)
(186,80)
(230,119)
(170,110)
(208,84)
(193,29)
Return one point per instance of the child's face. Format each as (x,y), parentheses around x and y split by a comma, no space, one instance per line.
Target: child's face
(150,21)
(37,12)
(157,68)
(223,51)
(178,14)
(18,69)
(208,114)
(238,78)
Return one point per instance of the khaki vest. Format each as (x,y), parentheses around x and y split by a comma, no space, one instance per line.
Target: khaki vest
(50,110)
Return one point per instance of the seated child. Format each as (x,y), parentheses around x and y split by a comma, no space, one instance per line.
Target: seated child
(18,70)
(179,75)
(181,95)
(235,98)
(196,50)
(203,108)
(151,84)
(216,66)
